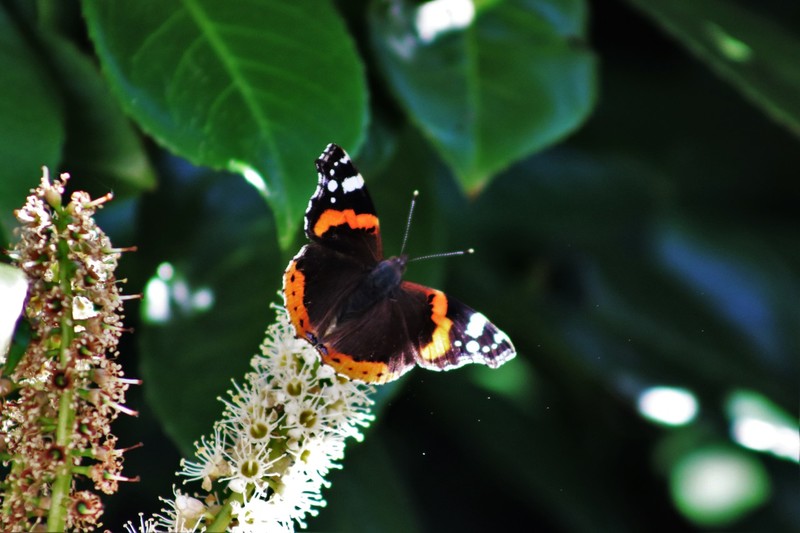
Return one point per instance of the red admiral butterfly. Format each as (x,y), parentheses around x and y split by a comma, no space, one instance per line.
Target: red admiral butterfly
(344,298)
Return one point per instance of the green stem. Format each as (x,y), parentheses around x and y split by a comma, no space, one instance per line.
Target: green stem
(59,497)
(223,518)
(56,519)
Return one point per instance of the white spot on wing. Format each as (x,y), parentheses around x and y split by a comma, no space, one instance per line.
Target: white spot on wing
(500,337)
(333,185)
(473,346)
(353,183)
(476,324)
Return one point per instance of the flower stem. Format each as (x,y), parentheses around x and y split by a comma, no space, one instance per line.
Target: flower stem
(57,515)
(56,519)
(223,518)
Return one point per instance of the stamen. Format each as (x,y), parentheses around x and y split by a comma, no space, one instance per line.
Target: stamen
(97,202)
(123,409)
(120,250)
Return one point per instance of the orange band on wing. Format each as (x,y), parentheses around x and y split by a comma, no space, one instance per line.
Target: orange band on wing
(440,341)
(293,293)
(366,371)
(331,217)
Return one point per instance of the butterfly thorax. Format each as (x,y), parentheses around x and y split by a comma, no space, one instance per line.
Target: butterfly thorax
(381,282)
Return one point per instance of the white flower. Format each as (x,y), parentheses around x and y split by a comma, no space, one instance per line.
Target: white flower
(83,308)
(189,510)
(211,463)
(281,433)
(184,513)
(262,513)
(146,525)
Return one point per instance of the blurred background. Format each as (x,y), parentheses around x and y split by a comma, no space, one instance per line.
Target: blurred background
(626,171)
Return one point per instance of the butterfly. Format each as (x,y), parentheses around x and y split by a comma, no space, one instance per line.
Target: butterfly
(352,304)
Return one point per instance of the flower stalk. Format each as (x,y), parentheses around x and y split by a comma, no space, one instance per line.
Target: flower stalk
(66,390)
(265,464)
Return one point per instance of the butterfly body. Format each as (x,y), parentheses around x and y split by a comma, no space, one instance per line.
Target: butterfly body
(380,283)
(353,305)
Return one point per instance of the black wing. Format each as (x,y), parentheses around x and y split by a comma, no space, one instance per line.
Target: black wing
(340,214)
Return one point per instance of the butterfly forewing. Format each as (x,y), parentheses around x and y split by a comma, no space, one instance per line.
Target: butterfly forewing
(340,214)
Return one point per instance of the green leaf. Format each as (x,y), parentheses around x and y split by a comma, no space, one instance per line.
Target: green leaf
(31,120)
(258,87)
(753,53)
(102,143)
(215,270)
(514,81)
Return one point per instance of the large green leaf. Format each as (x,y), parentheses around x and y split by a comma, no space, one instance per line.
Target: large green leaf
(258,87)
(515,80)
(31,120)
(102,144)
(752,52)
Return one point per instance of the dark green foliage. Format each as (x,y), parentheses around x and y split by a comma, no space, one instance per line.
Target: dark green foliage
(635,220)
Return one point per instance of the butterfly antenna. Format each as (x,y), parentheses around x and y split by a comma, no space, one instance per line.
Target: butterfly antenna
(446,254)
(408,222)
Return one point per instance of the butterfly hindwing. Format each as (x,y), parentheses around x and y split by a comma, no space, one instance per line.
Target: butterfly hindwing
(453,334)
(374,347)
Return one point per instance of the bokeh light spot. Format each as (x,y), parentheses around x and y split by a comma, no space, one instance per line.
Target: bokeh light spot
(758,424)
(715,487)
(440,16)
(671,406)
(168,291)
